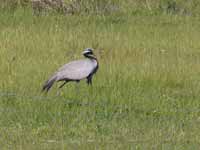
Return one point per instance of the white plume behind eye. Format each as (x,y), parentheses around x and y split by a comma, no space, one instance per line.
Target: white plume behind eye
(88,50)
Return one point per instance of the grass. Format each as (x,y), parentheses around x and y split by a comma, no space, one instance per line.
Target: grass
(145,94)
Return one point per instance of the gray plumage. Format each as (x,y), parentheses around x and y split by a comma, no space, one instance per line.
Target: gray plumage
(75,70)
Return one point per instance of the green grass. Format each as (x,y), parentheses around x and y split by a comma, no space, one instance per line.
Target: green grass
(145,94)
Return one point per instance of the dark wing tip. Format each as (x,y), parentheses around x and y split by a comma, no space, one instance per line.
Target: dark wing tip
(48,84)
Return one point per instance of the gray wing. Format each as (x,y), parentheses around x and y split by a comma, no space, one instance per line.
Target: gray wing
(76,70)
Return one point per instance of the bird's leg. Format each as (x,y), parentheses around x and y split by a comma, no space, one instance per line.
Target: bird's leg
(58,93)
(89,80)
(62,84)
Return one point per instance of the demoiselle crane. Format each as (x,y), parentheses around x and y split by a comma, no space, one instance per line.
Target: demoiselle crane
(75,71)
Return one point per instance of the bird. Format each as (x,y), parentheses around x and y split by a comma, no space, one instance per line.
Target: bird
(75,71)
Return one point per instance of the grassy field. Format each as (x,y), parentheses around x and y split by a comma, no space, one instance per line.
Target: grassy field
(145,94)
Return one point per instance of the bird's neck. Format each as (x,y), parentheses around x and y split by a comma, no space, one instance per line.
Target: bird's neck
(92,58)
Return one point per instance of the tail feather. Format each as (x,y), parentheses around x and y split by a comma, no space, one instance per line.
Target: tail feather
(49,83)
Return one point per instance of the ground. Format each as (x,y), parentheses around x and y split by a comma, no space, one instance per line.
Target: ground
(145,94)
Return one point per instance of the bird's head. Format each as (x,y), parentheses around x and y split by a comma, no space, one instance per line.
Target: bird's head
(88,52)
